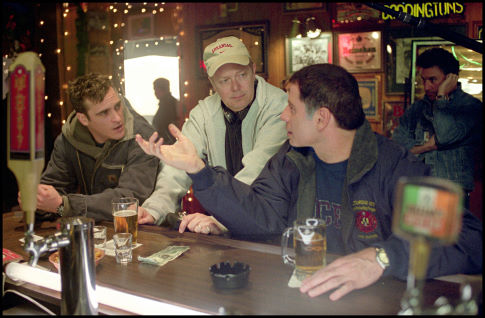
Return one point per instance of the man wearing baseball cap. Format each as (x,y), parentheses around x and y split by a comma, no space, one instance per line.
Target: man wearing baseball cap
(237,128)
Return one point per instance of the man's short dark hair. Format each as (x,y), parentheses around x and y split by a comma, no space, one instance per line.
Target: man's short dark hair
(331,86)
(441,58)
(162,83)
(92,87)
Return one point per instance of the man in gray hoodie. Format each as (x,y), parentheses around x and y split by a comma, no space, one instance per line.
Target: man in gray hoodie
(96,158)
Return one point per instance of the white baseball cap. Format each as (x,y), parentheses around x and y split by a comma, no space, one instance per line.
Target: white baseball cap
(226,50)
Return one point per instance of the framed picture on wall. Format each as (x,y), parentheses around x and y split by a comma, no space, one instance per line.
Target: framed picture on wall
(298,6)
(253,35)
(140,26)
(392,111)
(360,52)
(348,12)
(470,76)
(301,52)
(370,95)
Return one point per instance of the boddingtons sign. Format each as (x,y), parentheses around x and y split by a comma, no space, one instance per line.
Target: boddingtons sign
(425,9)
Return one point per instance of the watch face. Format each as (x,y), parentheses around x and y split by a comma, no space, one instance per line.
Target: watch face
(383,257)
(60,209)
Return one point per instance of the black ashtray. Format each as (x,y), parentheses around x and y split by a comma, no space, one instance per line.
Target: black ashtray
(227,276)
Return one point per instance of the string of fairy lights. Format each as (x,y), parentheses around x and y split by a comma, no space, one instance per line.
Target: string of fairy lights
(117,22)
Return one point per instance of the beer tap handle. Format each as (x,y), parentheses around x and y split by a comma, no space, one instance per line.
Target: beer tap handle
(427,212)
(31,248)
(25,141)
(51,243)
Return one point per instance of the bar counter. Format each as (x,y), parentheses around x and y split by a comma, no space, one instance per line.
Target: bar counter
(186,281)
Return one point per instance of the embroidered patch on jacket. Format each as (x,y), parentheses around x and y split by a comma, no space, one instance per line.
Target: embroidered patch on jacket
(366,221)
(112,179)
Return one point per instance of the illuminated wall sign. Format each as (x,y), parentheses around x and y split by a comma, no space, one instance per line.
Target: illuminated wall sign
(425,9)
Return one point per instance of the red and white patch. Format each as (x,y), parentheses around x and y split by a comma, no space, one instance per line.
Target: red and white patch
(366,221)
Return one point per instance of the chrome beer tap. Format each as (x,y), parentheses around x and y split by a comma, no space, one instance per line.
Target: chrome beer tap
(40,247)
(76,259)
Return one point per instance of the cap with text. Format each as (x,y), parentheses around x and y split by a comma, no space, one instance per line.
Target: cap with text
(226,50)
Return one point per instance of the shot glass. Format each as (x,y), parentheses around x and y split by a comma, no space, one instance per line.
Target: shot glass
(99,233)
(123,248)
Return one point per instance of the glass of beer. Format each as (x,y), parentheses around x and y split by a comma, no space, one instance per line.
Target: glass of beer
(125,213)
(310,246)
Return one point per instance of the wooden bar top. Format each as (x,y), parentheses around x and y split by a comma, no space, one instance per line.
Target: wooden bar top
(186,281)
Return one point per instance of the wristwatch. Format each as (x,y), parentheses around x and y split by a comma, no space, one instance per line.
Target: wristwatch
(381,258)
(60,208)
(442,97)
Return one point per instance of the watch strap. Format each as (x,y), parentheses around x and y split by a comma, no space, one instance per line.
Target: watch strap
(60,208)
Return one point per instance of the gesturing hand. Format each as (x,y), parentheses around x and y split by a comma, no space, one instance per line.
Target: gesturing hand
(181,155)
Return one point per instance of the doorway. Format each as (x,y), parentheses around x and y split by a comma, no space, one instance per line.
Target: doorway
(144,61)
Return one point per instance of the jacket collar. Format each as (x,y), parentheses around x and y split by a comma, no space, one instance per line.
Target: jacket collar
(364,153)
(362,158)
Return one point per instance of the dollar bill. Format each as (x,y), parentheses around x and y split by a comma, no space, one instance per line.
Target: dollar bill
(164,256)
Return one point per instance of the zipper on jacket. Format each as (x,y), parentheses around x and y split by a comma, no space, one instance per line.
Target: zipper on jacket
(82,173)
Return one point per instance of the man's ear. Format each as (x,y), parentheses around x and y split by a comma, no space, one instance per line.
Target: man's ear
(322,117)
(83,119)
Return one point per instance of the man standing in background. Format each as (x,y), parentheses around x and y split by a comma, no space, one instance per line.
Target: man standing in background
(167,110)
(444,128)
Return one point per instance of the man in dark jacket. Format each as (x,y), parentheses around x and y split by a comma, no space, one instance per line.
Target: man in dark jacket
(335,168)
(96,158)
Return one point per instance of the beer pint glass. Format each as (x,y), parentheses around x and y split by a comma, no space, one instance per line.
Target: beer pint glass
(310,245)
(125,214)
